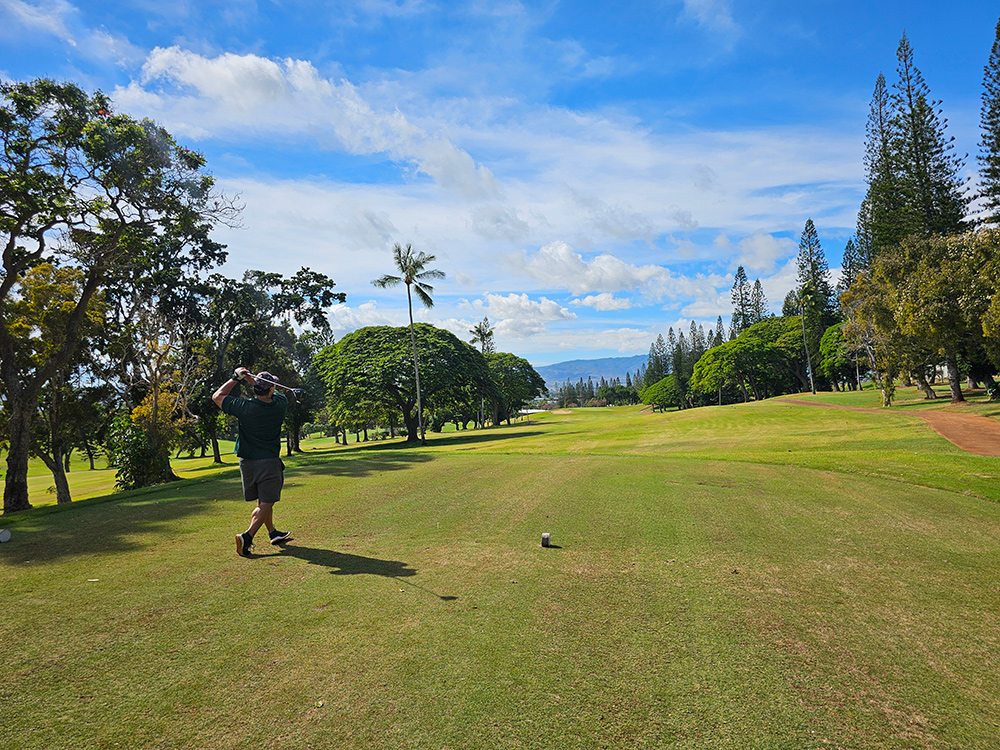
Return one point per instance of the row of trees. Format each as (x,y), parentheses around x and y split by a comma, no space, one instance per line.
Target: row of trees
(116,328)
(920,289)
(921,281)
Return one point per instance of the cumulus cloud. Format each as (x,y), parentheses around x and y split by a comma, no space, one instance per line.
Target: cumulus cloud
(344,318)
(242,94)
(560,266)
(760,251)
(603,302)
(518,316)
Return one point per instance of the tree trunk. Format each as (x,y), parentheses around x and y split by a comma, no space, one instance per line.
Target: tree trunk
(217,455)
(55,465)
(15,490)
(412,425)
(924,386)
(954,378)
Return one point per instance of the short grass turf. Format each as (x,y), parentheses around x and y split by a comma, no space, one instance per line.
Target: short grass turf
(758,576)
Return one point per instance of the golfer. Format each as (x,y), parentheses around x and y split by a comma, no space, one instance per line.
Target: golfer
(258,444)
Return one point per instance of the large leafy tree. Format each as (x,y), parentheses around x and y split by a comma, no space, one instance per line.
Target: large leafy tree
(116,198)
(244,324)
(765,360)
(412,267)
(35,317)
(373,365)
(517,384)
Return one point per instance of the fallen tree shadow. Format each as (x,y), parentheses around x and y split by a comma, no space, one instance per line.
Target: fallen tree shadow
(344,564)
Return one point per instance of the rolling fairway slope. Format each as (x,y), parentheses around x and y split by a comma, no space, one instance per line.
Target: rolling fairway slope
(760,576)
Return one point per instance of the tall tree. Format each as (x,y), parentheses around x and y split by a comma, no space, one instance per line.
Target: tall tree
(884,217)
(989,146)
(658,364)
(811,265)
(741,304)
(930,178)
(413,270)
(758,303)
(482,334)
(720,332)
(851,266)
(114,197)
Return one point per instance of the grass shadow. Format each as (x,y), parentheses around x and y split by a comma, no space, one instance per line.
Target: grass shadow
(111,523)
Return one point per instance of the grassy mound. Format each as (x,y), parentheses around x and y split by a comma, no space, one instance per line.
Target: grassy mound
(758,576)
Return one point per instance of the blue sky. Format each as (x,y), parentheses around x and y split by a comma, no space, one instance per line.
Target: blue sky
(588,174)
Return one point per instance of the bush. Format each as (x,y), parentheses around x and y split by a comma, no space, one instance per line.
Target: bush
(139,462)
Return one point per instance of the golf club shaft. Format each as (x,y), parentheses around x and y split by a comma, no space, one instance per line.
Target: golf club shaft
(275,383)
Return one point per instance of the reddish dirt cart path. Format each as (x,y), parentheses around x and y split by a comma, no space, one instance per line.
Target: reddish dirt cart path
(970,432)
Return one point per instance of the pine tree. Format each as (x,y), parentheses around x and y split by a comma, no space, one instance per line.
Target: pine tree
(989,146)
(720,333)
(812,266)
(930,175)
(851,266)
(884,218)
(657,365)
(741,304)
(758,303)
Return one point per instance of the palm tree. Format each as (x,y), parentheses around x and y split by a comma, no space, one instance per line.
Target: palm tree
(413,269)
(482,334)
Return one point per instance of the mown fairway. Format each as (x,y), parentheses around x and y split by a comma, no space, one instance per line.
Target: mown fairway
(757,576)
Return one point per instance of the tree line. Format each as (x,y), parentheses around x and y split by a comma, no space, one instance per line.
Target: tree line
(116,327)
(920,290)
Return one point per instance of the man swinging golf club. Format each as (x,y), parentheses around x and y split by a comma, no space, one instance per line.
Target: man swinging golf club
(258,444)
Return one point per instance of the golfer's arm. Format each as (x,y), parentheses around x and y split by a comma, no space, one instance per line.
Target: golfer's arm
(220,395)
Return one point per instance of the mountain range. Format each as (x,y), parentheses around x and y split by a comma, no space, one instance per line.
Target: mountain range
(607,368)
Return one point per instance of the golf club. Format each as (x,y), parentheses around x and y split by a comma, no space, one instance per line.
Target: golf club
(295,391)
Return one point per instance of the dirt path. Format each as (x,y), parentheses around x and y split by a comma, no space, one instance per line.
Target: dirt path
(970,432)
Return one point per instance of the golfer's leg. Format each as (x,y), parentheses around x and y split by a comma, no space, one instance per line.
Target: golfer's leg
(261,516)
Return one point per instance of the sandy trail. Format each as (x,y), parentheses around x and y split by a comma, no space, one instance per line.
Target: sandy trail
(970,432)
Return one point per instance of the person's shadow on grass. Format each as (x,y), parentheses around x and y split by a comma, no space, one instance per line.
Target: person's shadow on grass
(344,564)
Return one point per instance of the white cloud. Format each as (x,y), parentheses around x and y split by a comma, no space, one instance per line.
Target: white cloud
(345,318)
(236,95)
(603,302)
(62,20)
(760,251)
(497,221)
(49,18)
(560,266)
(518,316)
(584,340)
(714,15)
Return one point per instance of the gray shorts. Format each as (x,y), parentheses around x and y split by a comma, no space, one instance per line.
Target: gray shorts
(262,479)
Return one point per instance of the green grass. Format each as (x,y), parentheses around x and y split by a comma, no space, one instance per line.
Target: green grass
(758,576)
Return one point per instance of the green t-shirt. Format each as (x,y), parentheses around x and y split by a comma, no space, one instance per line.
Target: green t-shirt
(259,431)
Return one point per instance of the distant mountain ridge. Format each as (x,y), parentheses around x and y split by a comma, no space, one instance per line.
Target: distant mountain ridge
(607,368)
